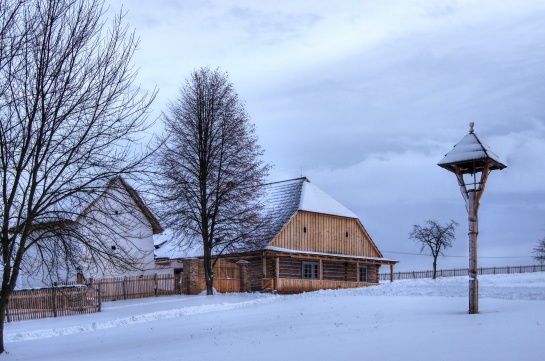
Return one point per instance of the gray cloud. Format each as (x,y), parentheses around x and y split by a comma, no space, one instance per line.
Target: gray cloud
(366,97)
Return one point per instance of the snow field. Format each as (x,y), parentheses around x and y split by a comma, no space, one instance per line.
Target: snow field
(404,320)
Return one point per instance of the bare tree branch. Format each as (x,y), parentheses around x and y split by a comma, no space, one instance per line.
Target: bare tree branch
(434,237)
(70,117)
(539,251)
(211,169)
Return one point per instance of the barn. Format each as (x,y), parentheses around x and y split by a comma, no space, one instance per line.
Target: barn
(314,242)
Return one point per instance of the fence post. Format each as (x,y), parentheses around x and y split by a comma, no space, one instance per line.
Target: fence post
(99,298)
(155,282)
(54,300)
(124,287)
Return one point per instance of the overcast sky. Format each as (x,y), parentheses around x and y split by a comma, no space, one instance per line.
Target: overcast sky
(365,98)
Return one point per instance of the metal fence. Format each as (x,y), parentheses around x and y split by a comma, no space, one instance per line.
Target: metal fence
(463,272)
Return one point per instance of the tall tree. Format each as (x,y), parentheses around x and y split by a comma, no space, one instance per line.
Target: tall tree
(435,237)
(69,117)
(211,169)
(539,251)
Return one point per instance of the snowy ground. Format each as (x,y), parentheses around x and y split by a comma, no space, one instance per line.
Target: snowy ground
(405,320)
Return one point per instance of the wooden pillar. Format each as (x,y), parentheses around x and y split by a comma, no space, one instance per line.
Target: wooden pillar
(358,272)
(473,231)
(276,272)
(320,269)
(391,272)
(244,276)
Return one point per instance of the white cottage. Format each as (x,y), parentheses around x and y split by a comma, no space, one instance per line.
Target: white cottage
(117,223)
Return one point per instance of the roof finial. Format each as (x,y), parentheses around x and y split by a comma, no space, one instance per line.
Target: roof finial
(471,127)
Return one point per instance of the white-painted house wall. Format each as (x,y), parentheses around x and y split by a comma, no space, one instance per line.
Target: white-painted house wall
(114,220)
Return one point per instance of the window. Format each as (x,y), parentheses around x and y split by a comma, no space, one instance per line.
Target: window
(310,270)
(363,273)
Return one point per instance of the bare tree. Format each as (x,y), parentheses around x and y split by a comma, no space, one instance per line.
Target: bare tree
(69,117)
(211,169)
(539,251)
(434,237)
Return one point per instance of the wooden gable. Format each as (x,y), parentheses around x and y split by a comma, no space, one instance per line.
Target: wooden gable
(316,232)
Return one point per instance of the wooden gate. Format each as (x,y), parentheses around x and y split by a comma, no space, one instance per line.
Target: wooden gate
(226,277)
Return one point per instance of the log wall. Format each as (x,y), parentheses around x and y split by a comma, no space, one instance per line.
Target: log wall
(263,273)
(340,271)
(297,286)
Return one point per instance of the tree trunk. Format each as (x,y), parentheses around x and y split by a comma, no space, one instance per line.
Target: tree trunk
(4,299)
(434,267)
(208,273)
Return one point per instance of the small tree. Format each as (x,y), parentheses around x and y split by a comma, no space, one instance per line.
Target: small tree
(435,237)
(539,251)
(69,117)
(211,170)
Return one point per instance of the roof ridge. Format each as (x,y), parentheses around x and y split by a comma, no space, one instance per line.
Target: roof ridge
(287,180)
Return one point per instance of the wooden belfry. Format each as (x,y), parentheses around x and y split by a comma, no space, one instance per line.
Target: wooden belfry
(471,160)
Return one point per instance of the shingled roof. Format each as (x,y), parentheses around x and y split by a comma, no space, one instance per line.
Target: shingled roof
(283,199)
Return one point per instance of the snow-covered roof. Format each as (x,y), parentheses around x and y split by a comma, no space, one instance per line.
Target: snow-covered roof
(470,152)
(171,249)
(281,201)
(313,199)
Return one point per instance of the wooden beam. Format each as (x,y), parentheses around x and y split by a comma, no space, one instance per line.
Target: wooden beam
(461,183)
(484,178)
(276,272)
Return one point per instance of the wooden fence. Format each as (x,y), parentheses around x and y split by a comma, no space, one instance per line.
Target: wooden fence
(124,288)
(52,302)
(71,299)
(463,272)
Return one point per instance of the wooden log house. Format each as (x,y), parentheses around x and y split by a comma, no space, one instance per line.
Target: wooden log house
(313,243)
